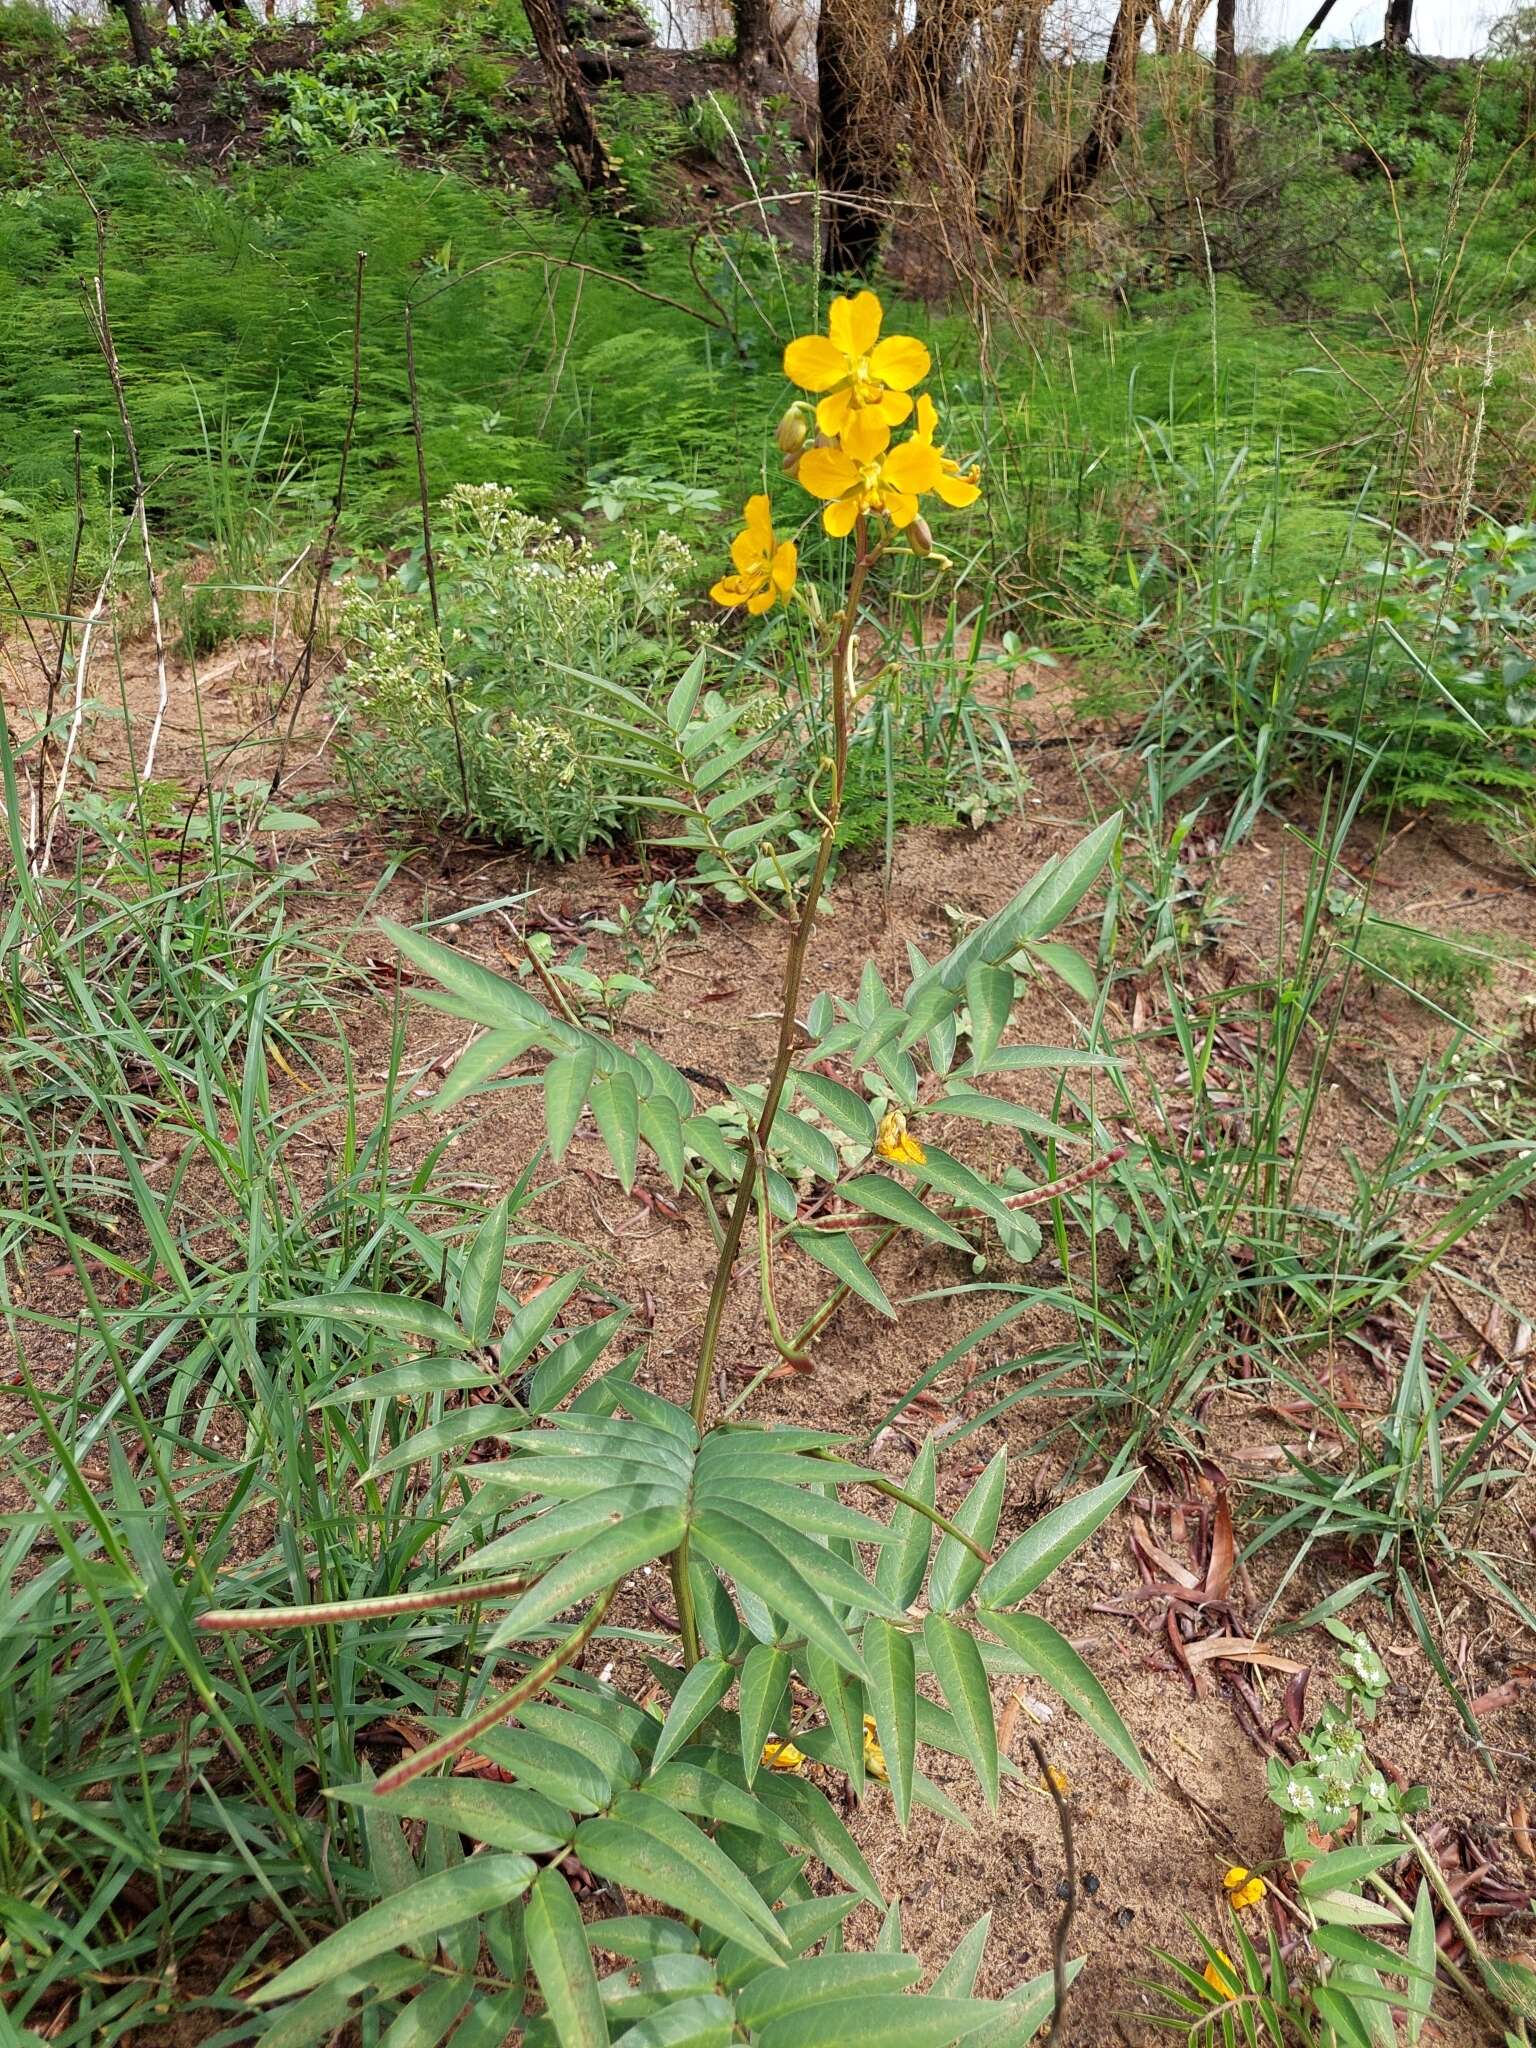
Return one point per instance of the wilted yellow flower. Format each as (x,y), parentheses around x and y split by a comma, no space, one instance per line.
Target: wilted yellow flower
(1222,1976)
(889,484)
(1243,1888)
(764,573)
(866,380)
(954,485)
(874,1755)
(893,1142)
(1059,1780)
(783,1756)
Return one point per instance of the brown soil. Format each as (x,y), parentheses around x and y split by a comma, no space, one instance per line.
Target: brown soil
(1155,1856)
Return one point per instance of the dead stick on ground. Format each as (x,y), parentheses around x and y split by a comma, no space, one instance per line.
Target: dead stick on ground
(1063,1929)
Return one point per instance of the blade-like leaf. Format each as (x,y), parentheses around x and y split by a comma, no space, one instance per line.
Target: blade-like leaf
(616,1106)
(567,1082)
(881,1196)
(501,1816)
(562,1963)
(777,1992)
(743,1554)
(393,1313)
(480,1276)
(882,2020)
(957,1979)
(760,1704)
(652,1533)
(437,1903)
(701,1691)
(892,1669)
(955,1568)
(836,1250)
(474,992)
(903,1564)
(1053,1660)
(839,1105)
(958,1667)
(632,1856)
(1031,1558)
(989,998)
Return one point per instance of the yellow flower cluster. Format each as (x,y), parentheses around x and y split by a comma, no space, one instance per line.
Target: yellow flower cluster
(1243,1888)
(863,387)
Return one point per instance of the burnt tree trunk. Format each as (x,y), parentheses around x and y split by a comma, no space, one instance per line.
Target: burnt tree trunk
(234,12)
(855,165)
(1224,96)
(132,12)
(753,27)
(1315,24)
(1021,119)
(569,110)
(1080,173)
(1398,25)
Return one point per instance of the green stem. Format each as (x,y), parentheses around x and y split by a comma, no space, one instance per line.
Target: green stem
(682,1592)
(910,1500)
(794,972)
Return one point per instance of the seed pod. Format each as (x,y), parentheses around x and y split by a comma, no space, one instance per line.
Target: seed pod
(920,534)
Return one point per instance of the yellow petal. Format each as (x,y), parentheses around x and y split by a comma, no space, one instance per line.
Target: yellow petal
(894,407)
(956,490)
(900,507)
(747,552)
(839,516)
(763,601)
(912,467)
(814,364)
(731,590)
(833,410)
(783,1756)
(865,434)
(910,1153)
(854,324)
(927,418)
(900,360)
(1222,1976)
(828,473)
(757,516)
(785,562)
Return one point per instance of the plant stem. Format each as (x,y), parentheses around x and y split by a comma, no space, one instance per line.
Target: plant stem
(794,972)
(682,1592)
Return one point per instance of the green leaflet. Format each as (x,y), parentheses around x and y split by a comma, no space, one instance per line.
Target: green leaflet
(562,1963)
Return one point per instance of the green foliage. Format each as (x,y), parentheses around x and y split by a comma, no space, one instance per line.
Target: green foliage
(535,631)
(29,35)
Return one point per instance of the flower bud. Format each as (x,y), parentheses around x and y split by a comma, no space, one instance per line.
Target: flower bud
(920,534)
(792,432)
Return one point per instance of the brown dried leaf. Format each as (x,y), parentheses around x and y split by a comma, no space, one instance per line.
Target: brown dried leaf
(1240,1650)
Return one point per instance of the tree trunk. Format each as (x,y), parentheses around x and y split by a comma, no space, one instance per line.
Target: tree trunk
(1314,25)
(132,12)
(1398,25)
(571,115)
(1080,172)
(753,26)
(234,12)
(855,163)
(1021,119)
(1224,95)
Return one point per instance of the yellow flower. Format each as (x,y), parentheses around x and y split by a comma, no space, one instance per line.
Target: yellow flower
(874,1755)
(888,483)
(1243,1888)
(783,1756)
(956,486)
(1222,1976)
(1059,1780)
(866,380)
(892,1141)
(764,573)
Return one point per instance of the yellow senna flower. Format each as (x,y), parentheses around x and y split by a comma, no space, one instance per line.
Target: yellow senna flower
(783,1756)
(765,573)
(893,1142)
(866,380)
(874,1755)
(889,484)
(956,486)
(1243,1888)
(1222,1976)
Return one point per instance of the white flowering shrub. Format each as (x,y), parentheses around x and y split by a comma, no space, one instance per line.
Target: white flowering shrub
(487,721)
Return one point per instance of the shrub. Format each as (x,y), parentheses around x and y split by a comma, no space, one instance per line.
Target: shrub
(529,619)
